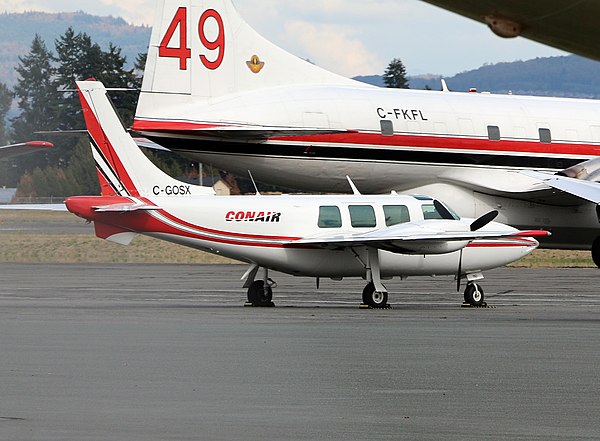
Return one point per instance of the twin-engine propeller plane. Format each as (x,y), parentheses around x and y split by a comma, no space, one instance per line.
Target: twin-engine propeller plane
(374,237)
(218,92)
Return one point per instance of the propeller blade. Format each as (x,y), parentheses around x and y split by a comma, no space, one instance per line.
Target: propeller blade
(442,210)
(484,220)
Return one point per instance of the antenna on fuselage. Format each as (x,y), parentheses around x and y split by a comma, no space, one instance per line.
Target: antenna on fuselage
(354,189)
(253,183)
(444,86)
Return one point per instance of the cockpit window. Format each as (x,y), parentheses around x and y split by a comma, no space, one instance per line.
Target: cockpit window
(329,217)
(395,214)
(362,216)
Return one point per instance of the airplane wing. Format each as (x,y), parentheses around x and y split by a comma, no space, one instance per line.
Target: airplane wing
(522,184)
(570,26)
(222,132)
(415,238)
(586,190)
(34,207)
(9,151)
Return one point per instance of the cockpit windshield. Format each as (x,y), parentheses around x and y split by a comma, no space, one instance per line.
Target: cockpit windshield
(437,210)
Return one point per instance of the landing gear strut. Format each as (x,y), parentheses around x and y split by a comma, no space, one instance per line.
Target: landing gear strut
(596,251)
(375,294)
(260,292)
(474,294)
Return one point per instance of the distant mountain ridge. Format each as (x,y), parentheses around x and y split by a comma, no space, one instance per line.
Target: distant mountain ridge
(569,76)
(564,76)
(17,31)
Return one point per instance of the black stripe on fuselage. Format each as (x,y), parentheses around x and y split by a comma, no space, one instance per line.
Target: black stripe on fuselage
(365,153)
(108,166)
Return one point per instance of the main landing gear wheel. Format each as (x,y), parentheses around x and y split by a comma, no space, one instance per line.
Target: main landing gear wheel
(258,295)
(374,299)
(474,294)
(596,251)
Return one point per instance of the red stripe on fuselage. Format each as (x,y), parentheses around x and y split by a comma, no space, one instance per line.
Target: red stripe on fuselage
(448,143)
(428,141)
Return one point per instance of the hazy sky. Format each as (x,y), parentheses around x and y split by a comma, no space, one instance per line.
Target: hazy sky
(351,37)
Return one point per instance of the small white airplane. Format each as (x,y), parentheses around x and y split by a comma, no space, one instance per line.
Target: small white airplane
(217,92)
(336,236)
(12,150)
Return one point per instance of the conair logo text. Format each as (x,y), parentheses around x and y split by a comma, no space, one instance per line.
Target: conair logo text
(252,216)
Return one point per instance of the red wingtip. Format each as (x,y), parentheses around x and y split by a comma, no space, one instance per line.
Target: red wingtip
(534,233)
(39,144)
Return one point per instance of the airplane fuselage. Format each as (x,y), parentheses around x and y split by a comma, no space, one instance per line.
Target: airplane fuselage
(463,148)
(268,231)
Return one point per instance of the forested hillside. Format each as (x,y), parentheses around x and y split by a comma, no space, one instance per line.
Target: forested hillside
(18,30)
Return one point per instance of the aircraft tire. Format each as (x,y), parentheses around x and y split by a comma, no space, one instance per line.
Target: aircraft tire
(474,294)
(257,295)
(596,251)
(373,298)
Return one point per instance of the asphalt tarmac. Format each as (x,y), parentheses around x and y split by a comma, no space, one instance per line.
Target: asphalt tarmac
(109,352)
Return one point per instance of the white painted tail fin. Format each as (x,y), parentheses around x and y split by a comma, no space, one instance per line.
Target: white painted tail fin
(122,167)
(203,49)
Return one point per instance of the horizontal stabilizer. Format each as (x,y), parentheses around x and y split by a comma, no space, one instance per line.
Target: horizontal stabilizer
(125,207)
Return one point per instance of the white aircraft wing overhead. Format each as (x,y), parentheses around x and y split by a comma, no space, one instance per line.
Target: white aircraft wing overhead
(9,151)
(570,26)
(586,190)
(521,185)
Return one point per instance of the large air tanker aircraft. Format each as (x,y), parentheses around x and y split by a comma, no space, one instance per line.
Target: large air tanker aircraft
(216,91)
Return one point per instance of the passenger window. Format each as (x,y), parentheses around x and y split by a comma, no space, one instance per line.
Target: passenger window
(387,127)
(395,214)
(362,216)
(545,136)
(493,133)
(329,217)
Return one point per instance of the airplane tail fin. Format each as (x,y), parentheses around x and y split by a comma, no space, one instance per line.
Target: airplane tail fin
(123,169)
(203,49)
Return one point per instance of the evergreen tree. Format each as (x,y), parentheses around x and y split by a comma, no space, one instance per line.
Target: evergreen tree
(81,172)
(138,69)
(35,92)
(78,59)
(38,101)
(6,97)
(115,75)
(395,75)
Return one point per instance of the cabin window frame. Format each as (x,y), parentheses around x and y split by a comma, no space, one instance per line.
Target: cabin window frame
(403,218)
(362,216)
(545,135)
(330,216)
(493,133)
(387,127)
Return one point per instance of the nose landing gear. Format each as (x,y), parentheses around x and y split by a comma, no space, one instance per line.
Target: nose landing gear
(474,294)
